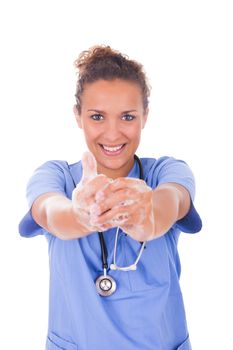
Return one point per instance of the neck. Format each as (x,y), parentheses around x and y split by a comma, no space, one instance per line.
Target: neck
(115,173)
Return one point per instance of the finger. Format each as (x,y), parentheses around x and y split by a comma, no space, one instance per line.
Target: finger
(118,199)
(89,167)
(123,183)
(84,217)
(85,195)
(93,186)
(117,220)
(137,217)
(119,214)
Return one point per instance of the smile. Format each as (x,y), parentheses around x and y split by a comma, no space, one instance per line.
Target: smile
(112,150)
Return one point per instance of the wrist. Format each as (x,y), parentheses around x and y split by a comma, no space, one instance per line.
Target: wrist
(63,222)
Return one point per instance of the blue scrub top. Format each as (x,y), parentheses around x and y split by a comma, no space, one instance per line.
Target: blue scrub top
(146,311)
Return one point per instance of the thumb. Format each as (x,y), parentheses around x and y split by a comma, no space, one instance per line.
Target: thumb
(89,167)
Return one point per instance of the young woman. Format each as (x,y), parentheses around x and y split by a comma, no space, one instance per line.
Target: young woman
(112,221)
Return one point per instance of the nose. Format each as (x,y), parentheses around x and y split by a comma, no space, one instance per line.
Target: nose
(113,131)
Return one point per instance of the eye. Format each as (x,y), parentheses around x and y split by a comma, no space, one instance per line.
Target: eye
(128,117)
(96,117)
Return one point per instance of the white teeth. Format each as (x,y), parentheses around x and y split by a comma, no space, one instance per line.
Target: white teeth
(112,149)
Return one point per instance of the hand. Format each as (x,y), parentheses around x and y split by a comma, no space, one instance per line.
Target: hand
(127,203)
(83,196)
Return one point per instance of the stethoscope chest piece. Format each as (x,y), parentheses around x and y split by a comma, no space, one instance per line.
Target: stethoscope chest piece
(105,285)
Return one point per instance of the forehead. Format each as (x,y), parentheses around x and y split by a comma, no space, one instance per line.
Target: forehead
(118,91)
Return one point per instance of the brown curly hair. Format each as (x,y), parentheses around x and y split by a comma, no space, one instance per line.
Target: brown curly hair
(102,62)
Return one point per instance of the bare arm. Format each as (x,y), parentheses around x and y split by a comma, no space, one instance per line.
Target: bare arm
(171,202)
(66,218)
(54,212)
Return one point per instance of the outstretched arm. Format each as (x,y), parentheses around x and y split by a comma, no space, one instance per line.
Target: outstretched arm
(141,212)
(69,219)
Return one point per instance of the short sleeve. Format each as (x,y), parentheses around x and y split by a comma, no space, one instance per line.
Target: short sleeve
(177,171)
(49,177)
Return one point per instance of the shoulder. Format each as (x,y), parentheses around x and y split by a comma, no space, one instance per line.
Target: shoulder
(158,163)
(150,164)
(167,169)
(58,167)
(162,165)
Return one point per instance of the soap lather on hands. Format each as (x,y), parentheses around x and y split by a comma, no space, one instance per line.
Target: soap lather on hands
(102,203)
(83,196)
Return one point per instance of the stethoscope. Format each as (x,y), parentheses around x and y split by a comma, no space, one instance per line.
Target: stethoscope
(105,284)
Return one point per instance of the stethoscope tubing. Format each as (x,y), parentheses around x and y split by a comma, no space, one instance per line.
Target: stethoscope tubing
(104,251)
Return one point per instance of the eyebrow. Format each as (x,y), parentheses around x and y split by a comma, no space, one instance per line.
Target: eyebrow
(102,112)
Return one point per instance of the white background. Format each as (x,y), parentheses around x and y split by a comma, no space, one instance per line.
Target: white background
(186,49)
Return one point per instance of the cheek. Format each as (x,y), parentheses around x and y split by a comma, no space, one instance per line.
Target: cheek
(134,132)
(90,132)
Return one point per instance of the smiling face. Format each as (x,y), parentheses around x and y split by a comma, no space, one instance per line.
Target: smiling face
(112,117)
